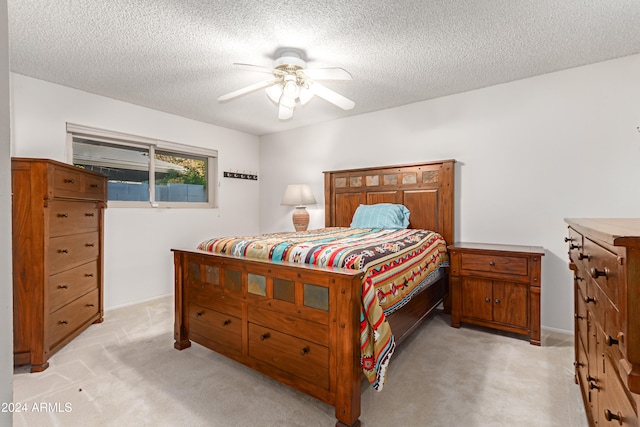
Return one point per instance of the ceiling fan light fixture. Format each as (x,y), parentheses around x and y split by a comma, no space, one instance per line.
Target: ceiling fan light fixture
(291,89)
(274,92)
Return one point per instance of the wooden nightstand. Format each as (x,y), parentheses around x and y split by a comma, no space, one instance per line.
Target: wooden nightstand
(497,286)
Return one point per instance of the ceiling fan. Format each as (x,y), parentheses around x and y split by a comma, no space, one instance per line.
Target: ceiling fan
(292,82)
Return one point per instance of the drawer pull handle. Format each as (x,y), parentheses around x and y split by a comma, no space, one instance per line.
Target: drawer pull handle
(610,341)
(226,322)
(89,245)
(265,336)
(69,181)
(88,275)
(63,322)
(63,287)
(304,350)
(200,314)
(568,239)
(578,364)
(491,263)
(63,215)
(89,214)
(89,305)
(595,273)
(589,299)
(590,378)
(577,316)
(63,251)
(608,415)
(593,386)
(487,299)
(572,247)
(582,256)
(94,185)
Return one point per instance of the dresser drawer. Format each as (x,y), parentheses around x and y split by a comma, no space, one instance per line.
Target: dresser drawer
(69,251)
(602,265)
(72,217)
(71,284)
(69,318)
(299,357)
(581,317)
(615,407)
(291,325)
(471,262)
(220,329)
(95,187)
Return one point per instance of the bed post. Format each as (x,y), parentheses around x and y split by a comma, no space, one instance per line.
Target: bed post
(349,378)
(180,330)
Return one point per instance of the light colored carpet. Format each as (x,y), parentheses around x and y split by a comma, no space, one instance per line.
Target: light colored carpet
(125,372)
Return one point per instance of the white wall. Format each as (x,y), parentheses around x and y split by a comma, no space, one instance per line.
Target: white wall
(529,154)
(6,289)
(138,261)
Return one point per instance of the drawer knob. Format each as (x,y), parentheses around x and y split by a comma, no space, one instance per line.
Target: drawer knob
(69,181)
(578,364)
(497,301)
(582,256)
(94,185)
(89,245)
(63,251)
(265,336)
(304,350)
(63,215)
(88,275)
(610,341)
(63,287)
(589,299)
(200,314)
(568,239)
(572,247)
(590,378)
(595,273)
(579,279)
(89,214)
(63,322)
(609,416)
(487,299)
(593,386)
(226,322)
(577,316)
(491,263)
(89,305)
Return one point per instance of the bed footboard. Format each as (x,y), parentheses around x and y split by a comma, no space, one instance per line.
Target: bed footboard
(296,324)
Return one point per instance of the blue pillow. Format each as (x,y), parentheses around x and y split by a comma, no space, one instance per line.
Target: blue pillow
(381,215)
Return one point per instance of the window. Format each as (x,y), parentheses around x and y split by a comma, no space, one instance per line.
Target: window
(144,172)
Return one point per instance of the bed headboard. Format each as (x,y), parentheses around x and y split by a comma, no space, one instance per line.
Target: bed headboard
(426,189)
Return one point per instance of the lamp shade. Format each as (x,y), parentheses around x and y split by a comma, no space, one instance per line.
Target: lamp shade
(298,195)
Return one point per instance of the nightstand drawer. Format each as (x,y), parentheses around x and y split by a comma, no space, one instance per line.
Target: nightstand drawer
(494,264)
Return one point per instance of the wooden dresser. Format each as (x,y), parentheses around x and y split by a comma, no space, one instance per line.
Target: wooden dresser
(605,257)
(57,256)
(497,286)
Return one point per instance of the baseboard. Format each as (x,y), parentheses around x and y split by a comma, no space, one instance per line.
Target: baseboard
(116,307)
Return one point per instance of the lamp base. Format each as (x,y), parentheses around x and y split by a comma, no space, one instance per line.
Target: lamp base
(300,218)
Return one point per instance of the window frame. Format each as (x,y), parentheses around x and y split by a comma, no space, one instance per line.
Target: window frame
(134,141)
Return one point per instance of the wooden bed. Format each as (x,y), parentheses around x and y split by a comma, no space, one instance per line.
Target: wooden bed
(314,351)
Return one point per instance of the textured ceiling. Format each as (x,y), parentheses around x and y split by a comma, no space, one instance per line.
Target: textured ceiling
(176,55)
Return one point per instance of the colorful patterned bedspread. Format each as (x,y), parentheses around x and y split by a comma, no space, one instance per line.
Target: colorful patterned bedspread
(397,263)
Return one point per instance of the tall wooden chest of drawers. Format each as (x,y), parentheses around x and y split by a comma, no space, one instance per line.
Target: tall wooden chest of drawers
(605,257)
(57,232)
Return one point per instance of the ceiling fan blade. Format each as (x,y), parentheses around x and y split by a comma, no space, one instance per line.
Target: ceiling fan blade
(333,73)
(284,112)
(248,89)
(259,68)
(331,96)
